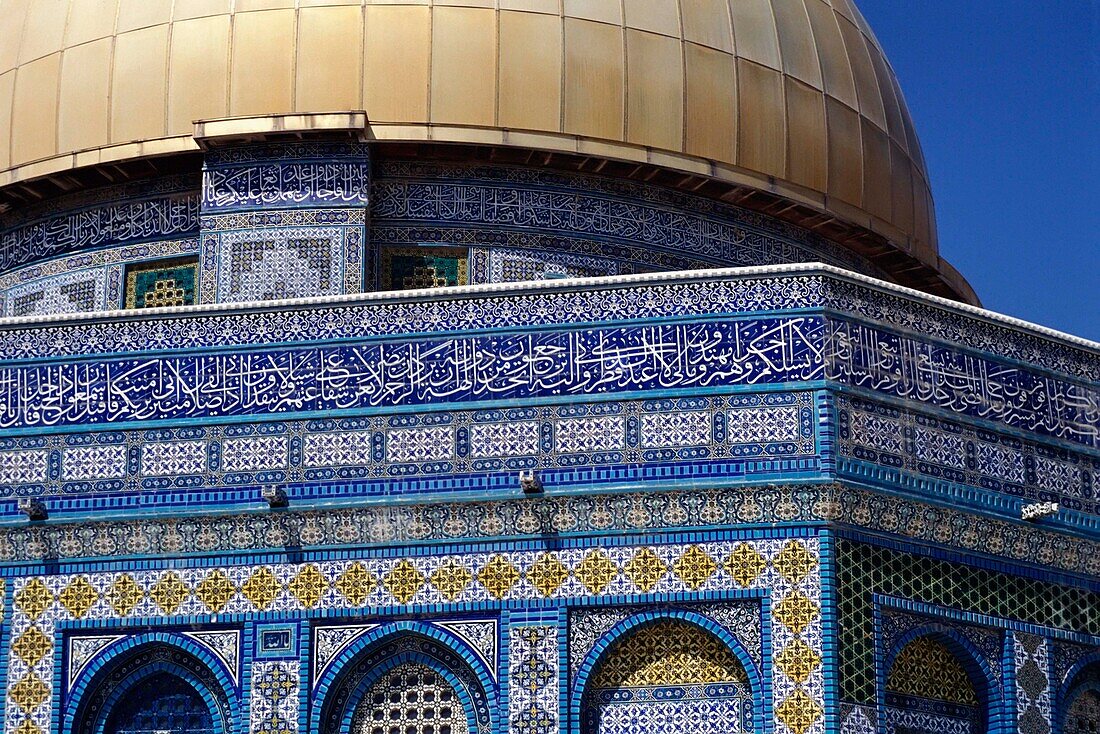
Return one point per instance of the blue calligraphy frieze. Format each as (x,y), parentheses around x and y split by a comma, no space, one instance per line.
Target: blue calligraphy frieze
(968,384)
(257,176)
(103,226)
(350,377)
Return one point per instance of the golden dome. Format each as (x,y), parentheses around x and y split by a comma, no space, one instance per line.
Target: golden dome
(792,97)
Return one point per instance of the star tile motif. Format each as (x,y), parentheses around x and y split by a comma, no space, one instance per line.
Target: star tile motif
(798,712)
(798,661)
(498,576)
(794,562)
(451,578)
(596,571)
(29,693)
(745,564)
(28,727)
(34,598)
(795,612)
(215,590)
(403,581)
(547,574)
(124,595)
(32,646)
(261,588)
(78,597)
(645,569)
(356,584)
(694,567)
(169,592)
(308,586)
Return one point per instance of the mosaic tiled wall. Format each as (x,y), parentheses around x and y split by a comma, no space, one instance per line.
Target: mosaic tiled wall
(722,436)
(95,612)
(589,222)
(864,571)
(284,221)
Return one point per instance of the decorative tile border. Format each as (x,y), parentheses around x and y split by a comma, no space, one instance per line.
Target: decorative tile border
(786,569)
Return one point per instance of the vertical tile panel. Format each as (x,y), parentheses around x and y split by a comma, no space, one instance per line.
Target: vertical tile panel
(835,69)
(593,79)
(7,91)
(262,81)
(901,189)
(707,22)
(845,153)
(655,90)
(530,71)
(82,106)
(134,14)
(796,42)
(807,153)
(655,16)
(754,32)
(396,68)
(330,41)
(34,115)
(43,29)
(604,11)
(464,64)
(187,9)
(711,117)
(15,13)
(138,87)
(762,140)
(90,20)
(876,171)
(870,101)
(198,77)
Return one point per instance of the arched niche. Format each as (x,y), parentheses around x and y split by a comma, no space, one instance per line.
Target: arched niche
(1081,704)
(138,687)
(935,684)
(668,675)
(405,678)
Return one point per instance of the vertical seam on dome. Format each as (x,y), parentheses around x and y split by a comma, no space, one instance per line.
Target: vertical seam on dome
(736,131)
(683,79)
(431,70)
(562,67)
(625,78)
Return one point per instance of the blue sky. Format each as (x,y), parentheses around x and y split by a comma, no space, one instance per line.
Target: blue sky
(1006,98)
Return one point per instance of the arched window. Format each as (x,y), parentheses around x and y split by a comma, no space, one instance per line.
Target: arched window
(1082,703)
(405,683)
(410,699)
(929,691)
(668,677)
(159,704)
(152,689)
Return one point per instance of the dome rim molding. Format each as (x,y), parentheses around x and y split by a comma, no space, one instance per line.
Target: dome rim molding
(213,132)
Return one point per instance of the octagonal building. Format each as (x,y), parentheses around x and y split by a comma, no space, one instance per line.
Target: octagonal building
(514,366)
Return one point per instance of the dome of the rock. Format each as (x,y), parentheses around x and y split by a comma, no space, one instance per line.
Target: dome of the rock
(781,105)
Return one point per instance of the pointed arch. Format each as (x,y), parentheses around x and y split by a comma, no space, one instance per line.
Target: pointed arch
(942,648)
(588,674)
(405,644)
(124,670)
(1078,709)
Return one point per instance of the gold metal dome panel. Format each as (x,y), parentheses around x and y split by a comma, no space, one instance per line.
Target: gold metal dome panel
(793,97)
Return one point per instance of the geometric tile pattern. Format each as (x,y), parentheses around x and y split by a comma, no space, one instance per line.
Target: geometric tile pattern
(666,676)
(925,668)
(1083,716)
(943,449)
(162,283)
(273,706)
(72,292)
(533,679)
(411,699)
(509,266)
(274,264)
(408,268)
(863,570)
(472,441)
(485,577)
(1033,686)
